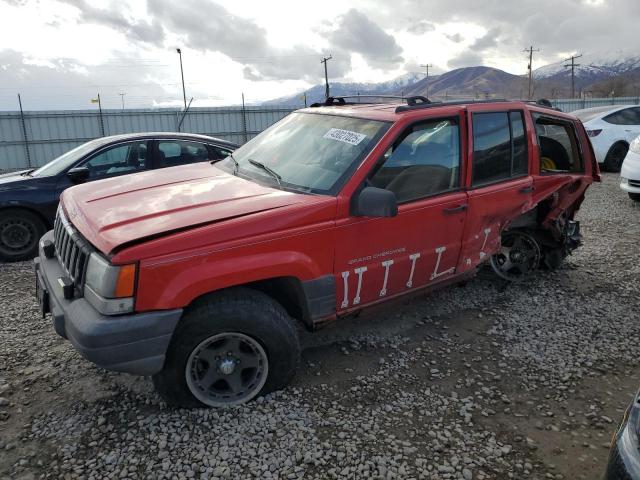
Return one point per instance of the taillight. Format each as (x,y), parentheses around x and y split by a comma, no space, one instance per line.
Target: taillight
(594,133)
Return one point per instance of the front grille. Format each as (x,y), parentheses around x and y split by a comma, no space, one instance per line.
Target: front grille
(71,249)
(634,183)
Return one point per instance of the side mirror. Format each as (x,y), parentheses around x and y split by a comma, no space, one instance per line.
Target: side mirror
(78,174)
(374,202)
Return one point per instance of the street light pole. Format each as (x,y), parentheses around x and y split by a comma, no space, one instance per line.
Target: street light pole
(122,98)
(184,93)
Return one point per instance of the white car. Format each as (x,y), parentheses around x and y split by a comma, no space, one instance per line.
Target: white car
(611,130)
(630,172)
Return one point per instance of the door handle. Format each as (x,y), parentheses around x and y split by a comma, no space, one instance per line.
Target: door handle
(452,210)
(527,189)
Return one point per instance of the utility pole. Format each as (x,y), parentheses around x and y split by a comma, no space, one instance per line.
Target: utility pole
(122,98)
(184,94)
(427,65)
(326,76)
(530,68)
(573,66)
(24,133)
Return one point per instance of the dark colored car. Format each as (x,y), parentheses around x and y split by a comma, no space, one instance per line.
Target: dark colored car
(29,198)
(624,457)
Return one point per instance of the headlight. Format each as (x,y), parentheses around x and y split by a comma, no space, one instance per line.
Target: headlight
(109,288)
(635,145)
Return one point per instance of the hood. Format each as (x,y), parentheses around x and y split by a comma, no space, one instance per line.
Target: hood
(14,179)
(122,210)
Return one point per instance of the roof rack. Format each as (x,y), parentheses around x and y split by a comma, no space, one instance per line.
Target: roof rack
(543,102)
(341,100)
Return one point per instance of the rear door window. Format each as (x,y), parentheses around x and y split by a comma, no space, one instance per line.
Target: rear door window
(559,151)
(180,152)
(499,147)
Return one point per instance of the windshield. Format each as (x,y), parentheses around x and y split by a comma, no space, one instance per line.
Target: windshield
(64,161)
(307,152)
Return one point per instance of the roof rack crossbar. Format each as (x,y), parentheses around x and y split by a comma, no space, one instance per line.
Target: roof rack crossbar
(341,100)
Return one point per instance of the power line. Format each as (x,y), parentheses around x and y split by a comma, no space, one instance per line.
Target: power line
(530,67)
(326,76)
(573,66)
(427,66)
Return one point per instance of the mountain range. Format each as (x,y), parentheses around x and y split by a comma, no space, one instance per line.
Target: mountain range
(613,73)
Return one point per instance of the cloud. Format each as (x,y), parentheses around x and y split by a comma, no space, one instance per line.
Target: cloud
(215,29)
(63,83)
(421,27)
(112,17)
(355,32)
(488,40)
(466,59)
(456,37)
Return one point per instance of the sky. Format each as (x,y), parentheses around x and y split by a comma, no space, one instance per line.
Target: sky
(58,54)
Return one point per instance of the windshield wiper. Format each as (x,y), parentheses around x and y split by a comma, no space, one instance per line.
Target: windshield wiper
(270,171)
(28,173)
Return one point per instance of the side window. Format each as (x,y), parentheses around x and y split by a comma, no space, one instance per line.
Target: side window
(499,147)
(218,153)
(424,161)
(627,116)
(118,160)
(559,152)
(180,152)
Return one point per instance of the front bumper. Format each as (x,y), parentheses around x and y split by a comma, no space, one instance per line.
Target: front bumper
(630,173)
(134,343)
(624,456)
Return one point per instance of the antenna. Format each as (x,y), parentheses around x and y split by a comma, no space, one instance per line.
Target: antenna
(573,66)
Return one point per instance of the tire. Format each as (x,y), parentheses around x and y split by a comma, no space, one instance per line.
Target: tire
(251,319)
(20,231)
(634,196)
(615,157)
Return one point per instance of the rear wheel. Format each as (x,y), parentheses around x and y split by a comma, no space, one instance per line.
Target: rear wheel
(634,196)
(519,255)
(615,157)
(20,231)
(227,349)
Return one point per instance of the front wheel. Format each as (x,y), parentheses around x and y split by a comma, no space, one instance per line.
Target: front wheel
(20,231)
(229,348)
(634,196)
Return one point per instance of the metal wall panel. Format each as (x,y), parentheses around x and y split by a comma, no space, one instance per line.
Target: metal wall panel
(570,105)
(51,133)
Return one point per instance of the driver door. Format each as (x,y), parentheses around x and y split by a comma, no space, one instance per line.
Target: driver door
(379,258)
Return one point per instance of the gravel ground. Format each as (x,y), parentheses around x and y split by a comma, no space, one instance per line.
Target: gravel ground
(482,381)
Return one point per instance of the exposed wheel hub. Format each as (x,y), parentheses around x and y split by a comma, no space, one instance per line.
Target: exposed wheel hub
(227,366)
(519,255)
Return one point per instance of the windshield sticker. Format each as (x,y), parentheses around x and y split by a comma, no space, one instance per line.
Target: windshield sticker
(346,136)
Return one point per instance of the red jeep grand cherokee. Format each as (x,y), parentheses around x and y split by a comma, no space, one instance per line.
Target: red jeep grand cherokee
(198,275)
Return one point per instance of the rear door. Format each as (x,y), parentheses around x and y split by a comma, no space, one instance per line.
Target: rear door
(499,182)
